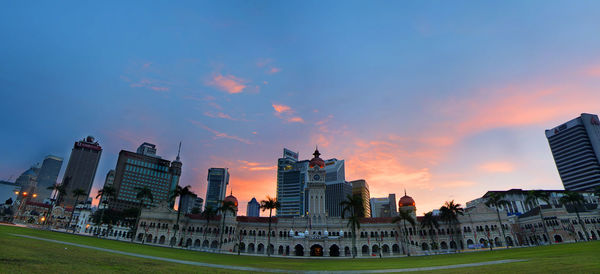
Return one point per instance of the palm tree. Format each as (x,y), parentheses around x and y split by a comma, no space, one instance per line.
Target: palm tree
(449,213)
(405,216)
(496,199)
(226,206)
(143,195)
(208,213)
(59,190)
(105,194)
(430,221)
(354,206)
(575,199)
(270,204)
(533,196)
(77,193)
(179,192)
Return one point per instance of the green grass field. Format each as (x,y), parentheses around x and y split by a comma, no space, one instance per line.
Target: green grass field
(22,255)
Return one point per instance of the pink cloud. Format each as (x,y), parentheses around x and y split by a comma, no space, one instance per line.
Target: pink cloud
(286,113)
(218,135)
(228,83)
(281,108)
(152,84)
(274,70)
(497,167)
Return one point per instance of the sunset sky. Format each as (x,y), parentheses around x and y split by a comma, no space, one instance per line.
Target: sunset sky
(447,99)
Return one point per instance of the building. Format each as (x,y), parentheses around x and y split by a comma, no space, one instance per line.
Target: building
(383,207)
(253,208)
(361,188)
(575,146)
(47,177)
(218,179)
(27,181)
(135,171)
(108,182)
(81,169)
(315,190)
(337,188)
(198,203)
(188,202)
(291,179)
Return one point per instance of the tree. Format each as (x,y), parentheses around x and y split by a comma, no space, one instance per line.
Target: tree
(226,206)
(431,222)
(496,199)
(353,205)
(58,190)
(179,192)
(143,195)
(208,213)
(77,193)
(9,201)
(404,216)
(105,194)
(449,214)
(575,199)
(269,204)
(533,196)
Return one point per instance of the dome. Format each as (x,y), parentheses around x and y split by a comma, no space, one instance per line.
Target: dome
(232,199)
(406,201)
(316,161)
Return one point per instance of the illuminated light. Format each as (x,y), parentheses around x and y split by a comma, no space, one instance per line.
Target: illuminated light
(87,226)
(43,218)
(24,193)
(16,192)
(34,195)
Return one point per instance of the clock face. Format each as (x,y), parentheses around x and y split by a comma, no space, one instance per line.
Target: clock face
(316,177)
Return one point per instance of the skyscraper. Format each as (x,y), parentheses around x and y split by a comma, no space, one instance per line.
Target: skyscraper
(47,177)
(136,171)
(188,202)
(383,207)
(218,179)
(336,187)
(27,181)
(253,208)
(81,168)
(108,182)
(291,180)
(361,188)
(575,146)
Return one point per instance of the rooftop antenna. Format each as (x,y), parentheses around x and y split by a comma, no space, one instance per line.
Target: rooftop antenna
(178,151)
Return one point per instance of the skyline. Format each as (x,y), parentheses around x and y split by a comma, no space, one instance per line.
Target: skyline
(448,101)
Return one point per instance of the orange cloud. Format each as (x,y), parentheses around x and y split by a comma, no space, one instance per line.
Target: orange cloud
(497,167)
(281,108)
(286,113)
(228,83)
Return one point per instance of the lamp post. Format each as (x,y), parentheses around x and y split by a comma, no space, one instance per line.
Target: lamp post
(25,196)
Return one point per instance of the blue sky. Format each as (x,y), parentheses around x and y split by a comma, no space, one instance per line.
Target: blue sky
(447,99)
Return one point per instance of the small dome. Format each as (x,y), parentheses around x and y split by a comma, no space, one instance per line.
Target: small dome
(406,201)
(232,199)
(316,161)
(326,233)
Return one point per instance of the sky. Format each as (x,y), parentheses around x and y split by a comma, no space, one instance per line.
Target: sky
(446,99)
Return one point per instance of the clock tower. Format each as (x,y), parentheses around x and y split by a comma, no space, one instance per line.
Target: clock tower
(316,188)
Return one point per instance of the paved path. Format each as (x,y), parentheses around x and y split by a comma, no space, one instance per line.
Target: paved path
(255,269)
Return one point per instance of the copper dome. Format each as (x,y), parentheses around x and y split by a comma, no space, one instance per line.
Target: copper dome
(232,199)
(406,201)
(316,161)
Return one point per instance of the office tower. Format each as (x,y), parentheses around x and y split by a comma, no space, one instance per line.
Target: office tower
(383,207)
(27,181)
(108,182)
(575,146)
(361,188)
(218,179)
(253,208)
(291,180)
(81,168)
(187,203)
(198,203)
(336,188)
(136,171)
(47,177)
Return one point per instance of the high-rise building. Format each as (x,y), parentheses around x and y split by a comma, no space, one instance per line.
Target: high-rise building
(27,181)
(291,180)
(198,203)
(361,188)
(383,207)
(253,208)
(575,146)
(81,168)
(47,177)
(108,182)
(218,179)
(336,187)
(136,171)
(189,202)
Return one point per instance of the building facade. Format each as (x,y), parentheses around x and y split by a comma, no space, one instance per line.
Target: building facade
(361,188)
(253,208)
(81,169)
(135,171)
(383,207)
(218,179)
(47,177)
(291,181)
(575,146)
(188,202)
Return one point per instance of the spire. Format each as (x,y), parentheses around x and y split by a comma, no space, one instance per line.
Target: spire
(178,151)
(404,191)
(317,153)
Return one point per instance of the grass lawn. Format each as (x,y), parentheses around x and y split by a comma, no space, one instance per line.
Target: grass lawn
(19,254)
